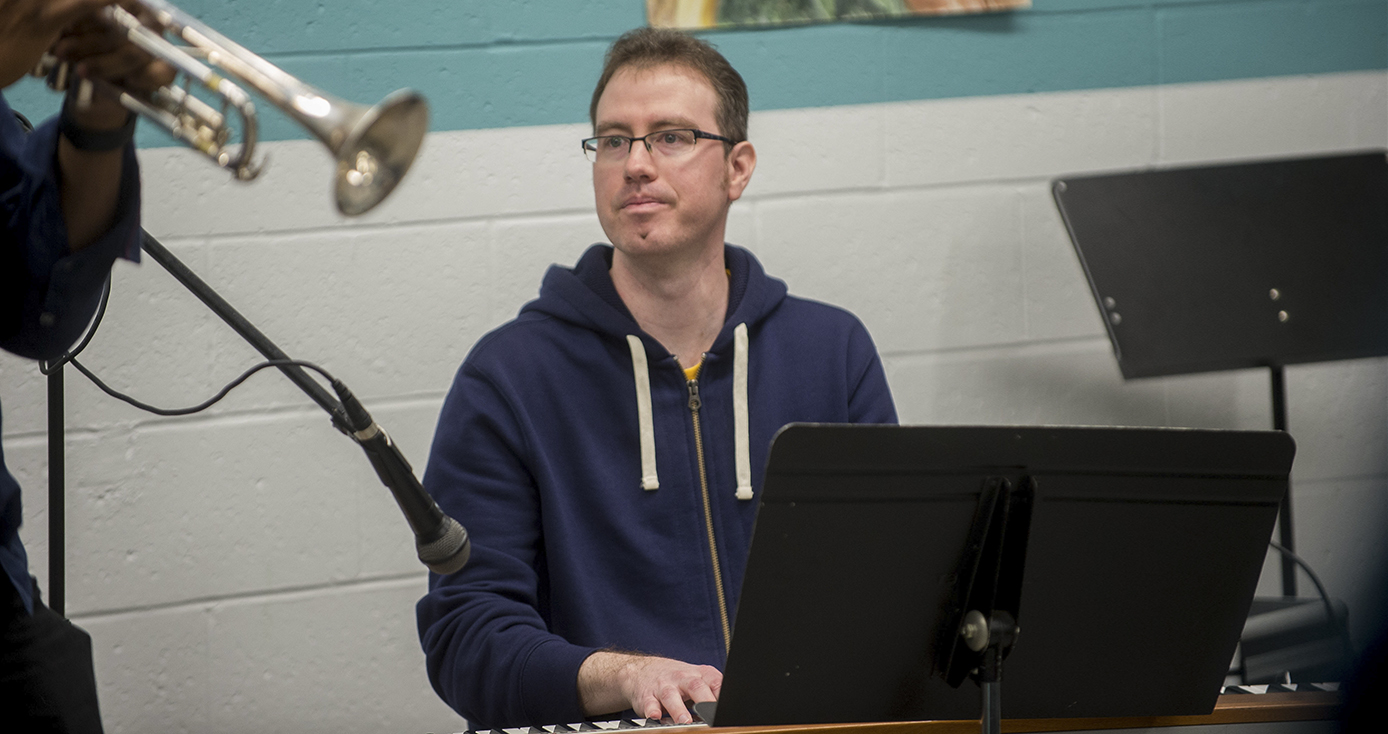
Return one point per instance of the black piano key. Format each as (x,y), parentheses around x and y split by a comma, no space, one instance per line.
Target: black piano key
(628,724)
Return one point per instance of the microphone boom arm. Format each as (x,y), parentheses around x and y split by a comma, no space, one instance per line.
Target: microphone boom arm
(441,542)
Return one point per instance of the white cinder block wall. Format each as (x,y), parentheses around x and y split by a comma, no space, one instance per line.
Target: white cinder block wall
(242,570)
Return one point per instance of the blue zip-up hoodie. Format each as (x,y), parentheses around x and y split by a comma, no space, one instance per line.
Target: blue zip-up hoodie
(581,487)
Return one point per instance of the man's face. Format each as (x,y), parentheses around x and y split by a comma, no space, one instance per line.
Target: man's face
(650,205)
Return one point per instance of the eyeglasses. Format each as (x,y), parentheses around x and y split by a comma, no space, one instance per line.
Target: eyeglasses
(666,143)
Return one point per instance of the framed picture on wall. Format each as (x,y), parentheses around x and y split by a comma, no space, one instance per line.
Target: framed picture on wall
(695,14)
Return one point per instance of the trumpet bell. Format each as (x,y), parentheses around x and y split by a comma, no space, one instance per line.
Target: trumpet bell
(373,146)
(375,154)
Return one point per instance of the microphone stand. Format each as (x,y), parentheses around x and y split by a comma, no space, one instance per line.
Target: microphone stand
(442,543)
(240,325)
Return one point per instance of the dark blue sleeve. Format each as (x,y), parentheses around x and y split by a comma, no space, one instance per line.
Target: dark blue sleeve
(488,648)
(869,399)
(47,293)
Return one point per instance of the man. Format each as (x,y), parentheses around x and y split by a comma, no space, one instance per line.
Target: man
(69,205)
(600,448)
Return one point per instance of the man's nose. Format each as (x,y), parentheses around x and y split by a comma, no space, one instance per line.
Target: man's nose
(640,162)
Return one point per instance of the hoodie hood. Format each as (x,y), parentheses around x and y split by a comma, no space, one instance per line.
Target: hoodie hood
(585,296)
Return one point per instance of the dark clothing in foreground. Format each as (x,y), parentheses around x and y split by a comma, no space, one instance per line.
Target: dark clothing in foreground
(47,298)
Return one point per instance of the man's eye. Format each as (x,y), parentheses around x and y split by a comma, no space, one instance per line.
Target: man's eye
(612,142)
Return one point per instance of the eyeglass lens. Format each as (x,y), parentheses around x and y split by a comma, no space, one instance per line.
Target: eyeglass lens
(666,143)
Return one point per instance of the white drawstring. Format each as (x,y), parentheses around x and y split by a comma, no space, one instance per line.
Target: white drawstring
(649,478)
(741,432)
(742,444)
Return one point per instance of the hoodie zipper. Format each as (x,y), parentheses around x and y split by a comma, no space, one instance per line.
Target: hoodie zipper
(694,404)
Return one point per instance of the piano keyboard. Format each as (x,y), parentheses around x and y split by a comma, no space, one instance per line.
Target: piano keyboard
(620,724)
(591,726)
(1282,688)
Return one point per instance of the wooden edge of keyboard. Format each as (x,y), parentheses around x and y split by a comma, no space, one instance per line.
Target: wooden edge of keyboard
(1229,709)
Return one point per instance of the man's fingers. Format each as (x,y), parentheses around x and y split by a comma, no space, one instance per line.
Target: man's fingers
(65,12)
(114,67)
(100,50)
(700,690)
(150,77)
(672,700)
(648,707)
(82,41)
(684,683)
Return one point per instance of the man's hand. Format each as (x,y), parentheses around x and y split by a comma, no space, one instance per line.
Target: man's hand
(29,27)
(99,50)
(652,687)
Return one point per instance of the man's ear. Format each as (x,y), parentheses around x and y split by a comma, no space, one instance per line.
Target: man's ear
(741,161)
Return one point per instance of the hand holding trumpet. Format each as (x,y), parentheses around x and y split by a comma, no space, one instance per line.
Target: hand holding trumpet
(29,27)
(97,50)
(73,31)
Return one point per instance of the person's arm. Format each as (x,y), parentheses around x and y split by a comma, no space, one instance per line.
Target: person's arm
(870,399)
(89,176)
(90,180)
(70,211)
(488,650)
(90,151)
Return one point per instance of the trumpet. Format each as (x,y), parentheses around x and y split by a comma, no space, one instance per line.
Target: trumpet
(373,146)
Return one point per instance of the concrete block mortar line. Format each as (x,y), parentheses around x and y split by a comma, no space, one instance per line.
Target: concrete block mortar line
(1002,183)
(384,228)
(752,197)
(997,350)
(287,594)
(1310,484)
(1158,102)
(880,112)
(233,418)
(502,42)
(26,439)
(1024,231)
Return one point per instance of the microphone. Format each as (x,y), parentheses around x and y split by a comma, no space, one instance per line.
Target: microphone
(441,542)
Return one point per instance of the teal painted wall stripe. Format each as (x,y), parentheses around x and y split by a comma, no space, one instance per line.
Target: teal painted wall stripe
(504,64)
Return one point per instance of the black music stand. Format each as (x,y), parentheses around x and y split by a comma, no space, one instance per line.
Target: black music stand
(1143,550)
(1235,266)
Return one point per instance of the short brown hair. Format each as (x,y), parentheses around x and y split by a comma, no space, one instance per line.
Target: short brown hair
(645,48)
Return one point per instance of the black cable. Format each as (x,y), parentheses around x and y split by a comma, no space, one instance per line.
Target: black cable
(1333,620)
(48,367)
(208,403)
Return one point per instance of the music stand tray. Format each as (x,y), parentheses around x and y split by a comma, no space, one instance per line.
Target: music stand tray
(1144,550)
(1238,265)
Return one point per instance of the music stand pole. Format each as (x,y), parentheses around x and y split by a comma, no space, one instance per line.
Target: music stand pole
(57,496)
(1284,512)
(988,594)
